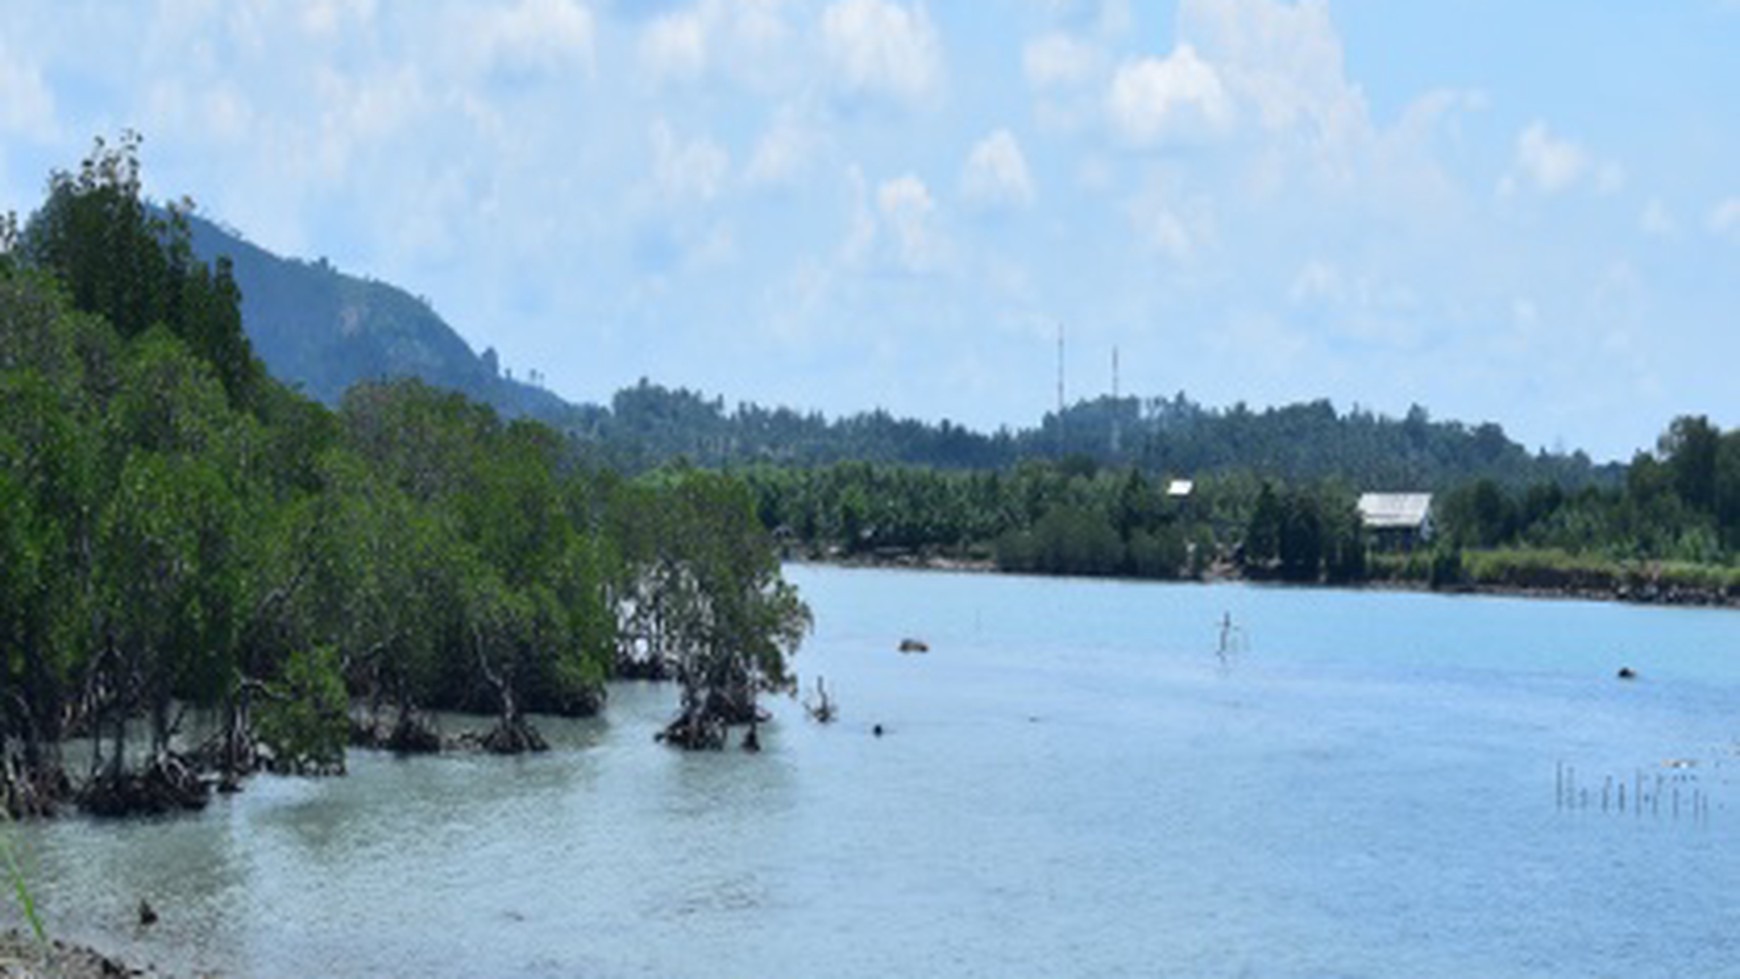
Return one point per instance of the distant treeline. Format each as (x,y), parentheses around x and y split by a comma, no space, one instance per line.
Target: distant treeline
(648,425)
(179,530)
(1680,505)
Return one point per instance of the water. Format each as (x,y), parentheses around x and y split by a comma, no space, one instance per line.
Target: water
(1072,783)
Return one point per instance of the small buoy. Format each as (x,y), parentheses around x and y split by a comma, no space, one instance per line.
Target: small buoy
(147,915)
(876,730)
(1627,673)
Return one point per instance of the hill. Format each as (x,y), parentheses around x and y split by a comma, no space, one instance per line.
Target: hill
(324,330)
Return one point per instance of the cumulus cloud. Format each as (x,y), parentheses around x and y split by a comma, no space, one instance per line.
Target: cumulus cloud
(882,48)
(1179,97)
(784,150)
(534,36)
(995,175)
(1285,60)
(1724,218)
(674,46)
(1317,281)
(905,206)
(1552,164)
(26,103)
(1164,224)
(1656,220)
(1549,162)
(1059,60)
(741,38)
(692,170)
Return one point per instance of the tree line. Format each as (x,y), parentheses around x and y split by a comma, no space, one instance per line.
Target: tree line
(180,534)
(1674,516)
(647,425)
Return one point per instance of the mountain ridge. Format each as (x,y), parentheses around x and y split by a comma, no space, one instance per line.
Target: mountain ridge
(326,330)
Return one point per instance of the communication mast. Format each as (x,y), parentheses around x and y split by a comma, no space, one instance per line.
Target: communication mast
(1117,433)
(1060,389)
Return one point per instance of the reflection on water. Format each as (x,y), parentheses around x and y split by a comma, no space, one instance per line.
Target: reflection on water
(1072,782)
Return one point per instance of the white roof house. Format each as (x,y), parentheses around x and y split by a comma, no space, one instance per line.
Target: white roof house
(1180,488)
(1397,512)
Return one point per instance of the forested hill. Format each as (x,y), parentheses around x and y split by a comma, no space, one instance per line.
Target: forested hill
(649,423)
(324,330)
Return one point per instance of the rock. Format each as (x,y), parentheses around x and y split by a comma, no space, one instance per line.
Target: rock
(147,914)
(910,645)
(1627,673)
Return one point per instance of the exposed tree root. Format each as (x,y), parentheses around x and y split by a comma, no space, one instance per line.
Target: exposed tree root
(168,784)
(513,737)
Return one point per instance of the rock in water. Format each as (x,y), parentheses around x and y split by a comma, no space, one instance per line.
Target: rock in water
(147,914)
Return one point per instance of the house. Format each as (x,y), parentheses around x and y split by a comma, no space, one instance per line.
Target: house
(1396,520)
(1180,489)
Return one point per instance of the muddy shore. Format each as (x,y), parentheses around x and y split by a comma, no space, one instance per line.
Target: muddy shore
(23,957)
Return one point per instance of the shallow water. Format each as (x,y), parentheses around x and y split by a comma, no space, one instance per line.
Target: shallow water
(1072,783)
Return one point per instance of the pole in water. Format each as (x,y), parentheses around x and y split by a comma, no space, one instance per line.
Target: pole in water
(1559,785)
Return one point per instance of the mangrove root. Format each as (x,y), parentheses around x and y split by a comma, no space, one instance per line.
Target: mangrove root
(513,737)
(168,784)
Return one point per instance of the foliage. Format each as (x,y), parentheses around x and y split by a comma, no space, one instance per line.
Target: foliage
(178,531)
(305,716)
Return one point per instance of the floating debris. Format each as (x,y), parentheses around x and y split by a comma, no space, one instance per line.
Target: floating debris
(911,645)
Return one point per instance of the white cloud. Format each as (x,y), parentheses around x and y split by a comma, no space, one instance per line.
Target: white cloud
(1179,97)
(906,207)
(784,150)
(1285,59)
(1317,281)
(1162,226)
(1724,218)
(534,36)
(1547,162)
(1058,60)
(674,46)
(1656,221)
(324,18)
(687,170)
(26,104)
(1284,62)
(879,47)
(741,39)
(995,175)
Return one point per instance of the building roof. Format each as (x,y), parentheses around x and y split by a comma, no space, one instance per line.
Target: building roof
(1180,487)
(1394,511)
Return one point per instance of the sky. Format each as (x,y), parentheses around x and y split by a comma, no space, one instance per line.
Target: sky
(1526,213)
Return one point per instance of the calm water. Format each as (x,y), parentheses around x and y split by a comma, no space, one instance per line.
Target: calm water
(1072,783)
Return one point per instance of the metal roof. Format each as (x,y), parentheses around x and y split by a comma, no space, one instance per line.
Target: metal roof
(1395,510)
(1180,487)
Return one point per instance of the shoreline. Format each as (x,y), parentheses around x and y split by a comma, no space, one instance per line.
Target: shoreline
(1669,596)
(23,956)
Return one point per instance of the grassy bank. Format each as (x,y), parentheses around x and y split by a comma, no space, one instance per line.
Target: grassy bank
(1540,571)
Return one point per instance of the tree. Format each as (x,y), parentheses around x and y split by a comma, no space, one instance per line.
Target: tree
(724,619)
(1689,450)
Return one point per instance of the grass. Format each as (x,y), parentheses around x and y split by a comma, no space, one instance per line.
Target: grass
(20,885)
(1556,570)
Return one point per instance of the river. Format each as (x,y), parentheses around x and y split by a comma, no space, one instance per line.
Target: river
(1073,781)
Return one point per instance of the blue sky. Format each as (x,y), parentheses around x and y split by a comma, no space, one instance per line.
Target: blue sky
(1527,213)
